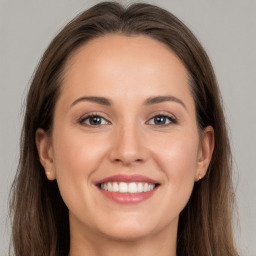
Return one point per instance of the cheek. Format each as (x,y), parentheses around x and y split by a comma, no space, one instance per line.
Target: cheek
(177,153)
(77,153)
(178,162)
(76,157)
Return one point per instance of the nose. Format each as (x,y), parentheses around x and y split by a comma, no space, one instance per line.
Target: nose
(128,147)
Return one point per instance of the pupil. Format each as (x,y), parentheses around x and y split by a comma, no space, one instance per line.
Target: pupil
(95,120)
(160,120)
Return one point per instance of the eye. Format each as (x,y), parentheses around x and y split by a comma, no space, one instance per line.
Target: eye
(161,120)
(94,120)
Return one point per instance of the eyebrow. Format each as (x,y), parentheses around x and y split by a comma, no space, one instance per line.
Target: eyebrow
(95,99)
(160,99)
(150,101)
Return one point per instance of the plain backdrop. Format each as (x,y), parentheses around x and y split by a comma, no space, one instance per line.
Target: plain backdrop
(227,30)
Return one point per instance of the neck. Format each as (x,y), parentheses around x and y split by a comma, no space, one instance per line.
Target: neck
(161,243)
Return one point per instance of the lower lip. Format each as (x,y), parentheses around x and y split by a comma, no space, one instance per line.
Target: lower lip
(128,198)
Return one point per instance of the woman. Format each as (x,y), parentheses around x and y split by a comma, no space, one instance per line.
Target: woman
(124,146)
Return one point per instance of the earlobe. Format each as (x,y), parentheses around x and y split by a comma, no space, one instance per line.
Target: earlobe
(45,152)
(205,152)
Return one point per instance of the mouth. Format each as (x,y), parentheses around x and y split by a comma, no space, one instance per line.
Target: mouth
(128,188)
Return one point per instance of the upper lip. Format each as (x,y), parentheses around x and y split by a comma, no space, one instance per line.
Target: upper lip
(127,178)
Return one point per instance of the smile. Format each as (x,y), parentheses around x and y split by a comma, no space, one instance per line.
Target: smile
(124,187)
(128,189)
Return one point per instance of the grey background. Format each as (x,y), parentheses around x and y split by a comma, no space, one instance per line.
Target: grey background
(227,30)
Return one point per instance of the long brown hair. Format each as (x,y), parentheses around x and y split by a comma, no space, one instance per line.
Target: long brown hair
(40,217)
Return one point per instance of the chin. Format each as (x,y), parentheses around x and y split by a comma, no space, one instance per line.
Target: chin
(129,229)
(128,234)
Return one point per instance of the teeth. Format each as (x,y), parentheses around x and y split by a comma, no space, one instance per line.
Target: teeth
(132,187)
(140,187)
(124,187)
(115,187)
(110,187)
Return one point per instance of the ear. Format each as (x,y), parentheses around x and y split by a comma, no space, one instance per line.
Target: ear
(205,152)
(45,152)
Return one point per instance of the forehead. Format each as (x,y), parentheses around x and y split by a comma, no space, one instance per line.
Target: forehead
(113,64)
(127,51)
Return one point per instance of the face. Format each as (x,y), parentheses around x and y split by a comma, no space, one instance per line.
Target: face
(125,147)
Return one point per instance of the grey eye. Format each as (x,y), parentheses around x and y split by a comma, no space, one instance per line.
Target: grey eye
(94,120)
(161,120)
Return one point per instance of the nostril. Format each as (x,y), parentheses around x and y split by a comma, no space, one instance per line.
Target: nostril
(128,161)
(128,153)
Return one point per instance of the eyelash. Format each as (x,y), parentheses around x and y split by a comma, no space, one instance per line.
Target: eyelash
(87,117)
(171,119)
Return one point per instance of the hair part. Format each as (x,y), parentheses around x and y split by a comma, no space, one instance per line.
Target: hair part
(40,217)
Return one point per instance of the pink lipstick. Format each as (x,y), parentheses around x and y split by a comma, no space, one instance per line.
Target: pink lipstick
(128,189)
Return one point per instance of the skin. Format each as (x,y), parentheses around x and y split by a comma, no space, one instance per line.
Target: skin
(127,71)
